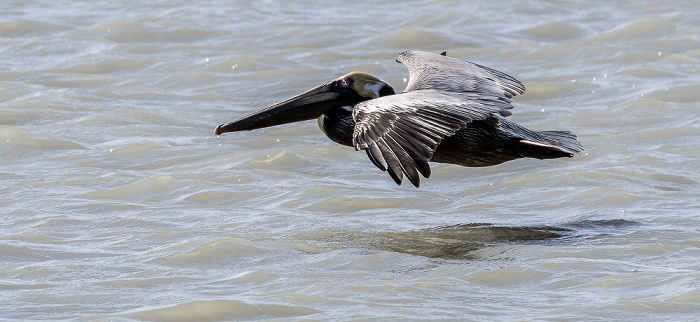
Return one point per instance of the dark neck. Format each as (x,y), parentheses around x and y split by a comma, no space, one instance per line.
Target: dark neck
(338,125)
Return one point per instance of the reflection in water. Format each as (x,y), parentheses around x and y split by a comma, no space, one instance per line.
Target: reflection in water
(615,224)
(465,241)
(460,241)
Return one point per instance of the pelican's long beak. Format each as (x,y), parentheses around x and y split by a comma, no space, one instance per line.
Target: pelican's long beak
(305,106)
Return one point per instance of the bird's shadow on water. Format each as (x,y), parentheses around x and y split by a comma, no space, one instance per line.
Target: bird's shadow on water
(468,241)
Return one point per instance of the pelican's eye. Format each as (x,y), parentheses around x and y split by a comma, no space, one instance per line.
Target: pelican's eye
(344,82)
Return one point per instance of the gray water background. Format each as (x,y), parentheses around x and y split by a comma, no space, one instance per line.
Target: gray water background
(117,202)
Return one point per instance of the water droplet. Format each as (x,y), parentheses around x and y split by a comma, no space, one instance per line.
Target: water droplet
(659,53)
(573,81)
(405,80)
(593,92)
(542,110)
(234,66)
(278,140)
(605,75)
(491,184)
(207,60)
(595,78)
(634,85)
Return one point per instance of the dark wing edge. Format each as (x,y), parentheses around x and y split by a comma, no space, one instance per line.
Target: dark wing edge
(401,132)
(434,71)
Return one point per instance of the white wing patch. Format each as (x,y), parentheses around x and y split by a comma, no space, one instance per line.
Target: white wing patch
(535,143)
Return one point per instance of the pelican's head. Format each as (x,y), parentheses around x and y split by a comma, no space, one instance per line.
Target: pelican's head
(346,90)
(365,85)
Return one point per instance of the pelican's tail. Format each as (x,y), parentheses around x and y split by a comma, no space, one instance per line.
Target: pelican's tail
(551,144)
(543,144)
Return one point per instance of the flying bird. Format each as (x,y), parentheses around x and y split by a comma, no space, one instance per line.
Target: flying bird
(452,111)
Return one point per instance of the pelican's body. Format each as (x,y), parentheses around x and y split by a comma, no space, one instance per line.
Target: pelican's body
(451,111)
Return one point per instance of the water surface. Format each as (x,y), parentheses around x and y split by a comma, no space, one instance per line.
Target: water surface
(119,203)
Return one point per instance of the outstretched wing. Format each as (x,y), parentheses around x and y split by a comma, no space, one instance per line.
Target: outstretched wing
(439,72)
(401,132)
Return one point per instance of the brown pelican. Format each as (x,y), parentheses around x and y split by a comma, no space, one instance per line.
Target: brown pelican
(452,111)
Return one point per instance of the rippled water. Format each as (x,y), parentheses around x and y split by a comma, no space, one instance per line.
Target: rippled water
(119,203)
